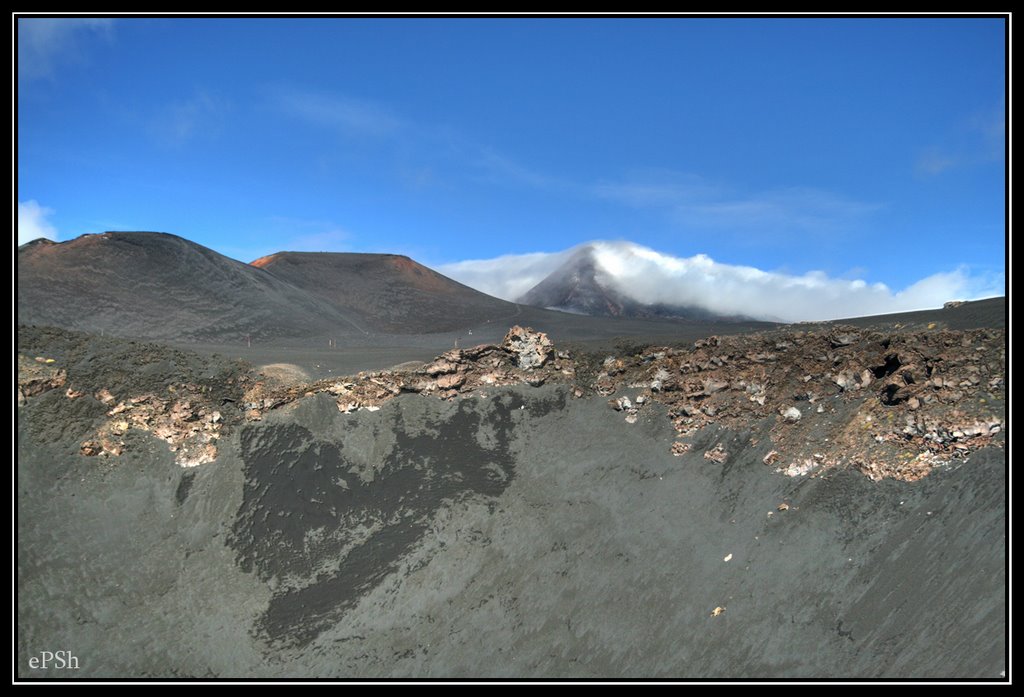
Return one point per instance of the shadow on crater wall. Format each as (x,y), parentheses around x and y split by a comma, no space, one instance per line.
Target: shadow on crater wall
(324,527)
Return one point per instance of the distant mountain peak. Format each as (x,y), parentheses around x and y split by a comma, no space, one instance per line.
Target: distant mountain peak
(37,242)
(583,285)
(575,287)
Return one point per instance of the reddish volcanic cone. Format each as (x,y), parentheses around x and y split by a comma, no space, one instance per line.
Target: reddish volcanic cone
(386,292)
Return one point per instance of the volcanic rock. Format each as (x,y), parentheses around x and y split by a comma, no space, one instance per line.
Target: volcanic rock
(531,349)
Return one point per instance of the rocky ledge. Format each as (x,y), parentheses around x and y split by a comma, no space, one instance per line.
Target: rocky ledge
(887,404)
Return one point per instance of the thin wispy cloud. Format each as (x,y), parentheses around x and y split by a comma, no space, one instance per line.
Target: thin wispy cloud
(658,188)
(201,115)
(651,277)
(33,222)
(688,199)
(419,178)
(684,198)
(451,156)
(979,139)
(501,168)
(345,114)
(45,44)
(293,234)
(991,125)
(933,162)
(431,149)
(801,208)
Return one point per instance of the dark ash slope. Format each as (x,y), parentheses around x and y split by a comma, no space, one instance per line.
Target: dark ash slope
(564,545)
(159,286)
(513,532)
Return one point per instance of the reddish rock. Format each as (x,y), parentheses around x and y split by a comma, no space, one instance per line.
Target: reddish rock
(531,349)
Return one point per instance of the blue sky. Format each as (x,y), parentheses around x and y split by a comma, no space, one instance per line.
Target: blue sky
(865,149)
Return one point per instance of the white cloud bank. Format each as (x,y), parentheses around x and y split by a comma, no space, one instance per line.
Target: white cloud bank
(651,277)
(506,277)
(33,223)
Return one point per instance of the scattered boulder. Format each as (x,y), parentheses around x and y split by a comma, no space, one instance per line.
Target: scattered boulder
(36,377)
(660,380)
(712,386)
(846,381)
(680,448)
(716,454)
(441,367)
(840,339)
(451,381)
(621,404)
(799,469)
(105,397)
(91,448)
(531,349)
